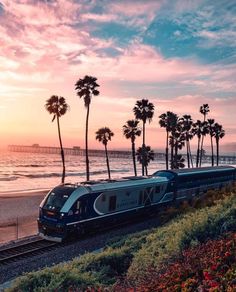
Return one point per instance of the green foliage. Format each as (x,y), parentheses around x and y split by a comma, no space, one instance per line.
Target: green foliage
(187,230)
(58,278)
(136,253)
(107,265)
(134,241)
(210,266)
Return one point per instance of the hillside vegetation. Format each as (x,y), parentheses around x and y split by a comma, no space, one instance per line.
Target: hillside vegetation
(138,259)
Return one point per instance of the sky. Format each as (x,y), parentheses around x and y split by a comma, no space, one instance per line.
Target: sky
(177,54)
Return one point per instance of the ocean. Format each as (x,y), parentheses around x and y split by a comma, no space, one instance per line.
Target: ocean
(21,171)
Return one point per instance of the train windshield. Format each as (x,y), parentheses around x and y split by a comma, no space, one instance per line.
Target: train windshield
(166,174)
(57,198)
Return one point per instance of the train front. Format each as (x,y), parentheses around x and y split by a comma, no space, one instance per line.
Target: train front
(51,221)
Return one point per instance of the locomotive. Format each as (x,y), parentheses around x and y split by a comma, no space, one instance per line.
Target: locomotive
(75,209)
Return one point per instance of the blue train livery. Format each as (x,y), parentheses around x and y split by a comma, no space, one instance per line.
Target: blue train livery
(74,209)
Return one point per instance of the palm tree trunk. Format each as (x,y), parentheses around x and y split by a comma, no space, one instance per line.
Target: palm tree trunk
(86,145)
(167,150)
(212,153)
(134,161)
(217,151)
(200,156)
(146,171)
(190,154)
(143,154)
(62,152)
(176,153)
(187,148)
(172,155)
(198,151)
(108,167)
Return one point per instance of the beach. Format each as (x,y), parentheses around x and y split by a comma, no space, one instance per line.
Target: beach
(18,213)
(26,178)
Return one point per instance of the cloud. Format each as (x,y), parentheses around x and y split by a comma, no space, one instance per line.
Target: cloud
(141,63)
(41,47)
(45,46)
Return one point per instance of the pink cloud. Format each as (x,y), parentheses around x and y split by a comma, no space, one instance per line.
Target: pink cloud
(63,11)
(99,17)
(52,45)
(131,8)
(141,63)
(43,54)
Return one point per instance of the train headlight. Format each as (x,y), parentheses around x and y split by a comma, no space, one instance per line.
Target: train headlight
(62,215)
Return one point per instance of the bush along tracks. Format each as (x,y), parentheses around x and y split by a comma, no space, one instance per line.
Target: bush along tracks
(138,260)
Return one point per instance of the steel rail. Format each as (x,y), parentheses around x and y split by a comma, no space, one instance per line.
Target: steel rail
(18,251)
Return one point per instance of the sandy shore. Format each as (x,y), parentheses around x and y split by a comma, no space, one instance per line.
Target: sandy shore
(19,208)
(18,204)
(17,194)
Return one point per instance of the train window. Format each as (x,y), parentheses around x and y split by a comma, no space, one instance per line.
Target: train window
(164,174)
(78,205)
(112,203)
(83,207)
(57,198)
(103,197)
(127,194)
(55,201)
(70,213)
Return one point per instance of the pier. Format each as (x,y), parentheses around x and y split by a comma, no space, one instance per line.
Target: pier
(35,148)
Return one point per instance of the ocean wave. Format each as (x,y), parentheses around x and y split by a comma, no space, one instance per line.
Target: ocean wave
(119,170)
(42,175)
(8,178)
(57,174)
(30,165)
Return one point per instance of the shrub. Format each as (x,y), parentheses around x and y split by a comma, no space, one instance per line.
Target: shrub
(53,279)
(137,253)
(207,267)
(187,230)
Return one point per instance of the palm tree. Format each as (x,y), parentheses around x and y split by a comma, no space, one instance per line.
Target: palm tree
(211,127)
(199,129)
(144,157)
(131,131)
(143,110)
(58,107)
(104,135)
(167,121)
(178,162)
(177,141)
(219,133)
(205,131)
(204,109)
(187,124)
(86,88)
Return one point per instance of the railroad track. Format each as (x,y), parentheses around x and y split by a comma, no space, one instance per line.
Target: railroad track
(23,250)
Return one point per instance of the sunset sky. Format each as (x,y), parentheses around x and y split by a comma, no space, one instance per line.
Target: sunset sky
(178,54)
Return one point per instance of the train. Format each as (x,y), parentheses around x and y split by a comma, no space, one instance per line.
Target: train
(76,209)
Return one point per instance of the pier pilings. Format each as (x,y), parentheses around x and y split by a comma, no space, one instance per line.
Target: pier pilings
(35,148)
